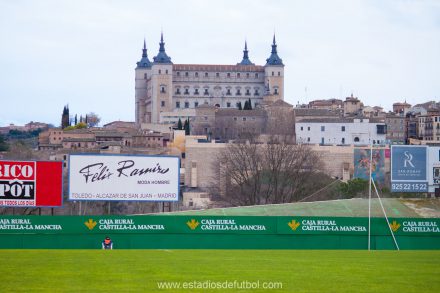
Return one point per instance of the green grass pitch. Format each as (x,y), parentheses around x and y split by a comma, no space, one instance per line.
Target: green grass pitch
(296,270)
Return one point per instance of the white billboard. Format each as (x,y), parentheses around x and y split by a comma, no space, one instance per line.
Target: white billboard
(434,168)
(123,177)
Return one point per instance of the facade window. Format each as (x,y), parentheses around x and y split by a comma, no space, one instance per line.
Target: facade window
(196,91)
(256,75)
(206,117)
(206,92)
(247,75)
(322,128)
(343,140)
(308,139)
(256,93)
(279,73)
(322,140)
(162,89)
(356,139)
(275,91)
(186,92)
(273,73)
(235,118)
(301,128)
(217,74)
(186,74)
(177,91)
(342,128)
(160,71)
(186,104)
(238,75)
(145,76)
(196,104)
(308,128)
(228,92)
(248,93)
(244,118)
(206,74)
(178,73)
(166,71)
(228,104)
(228,74)
(238,92)
(162,103)
(197,74)
(177,104)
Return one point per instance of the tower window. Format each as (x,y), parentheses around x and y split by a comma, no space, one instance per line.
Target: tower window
(217,74)
(166,71)
(273,73)
(177,91)
(145,76)
(197,74)
(186,104)
(247,75)
(162,89)
(256,75)
(160,71)
(275,91)
(177,104)
(279,73)
(228,104)
(162,103)
(206,74)
(178,73)
(238,75)
(228,74)
(186,74)
(196,104)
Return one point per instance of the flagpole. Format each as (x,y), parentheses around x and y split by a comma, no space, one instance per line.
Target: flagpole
(369,197)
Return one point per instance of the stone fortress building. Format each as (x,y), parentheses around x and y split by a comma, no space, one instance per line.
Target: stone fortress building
(162,87)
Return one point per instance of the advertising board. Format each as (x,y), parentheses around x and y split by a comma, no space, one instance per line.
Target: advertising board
(31,183)
(123,177)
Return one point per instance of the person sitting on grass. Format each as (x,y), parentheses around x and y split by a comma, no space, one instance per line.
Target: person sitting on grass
(107,243)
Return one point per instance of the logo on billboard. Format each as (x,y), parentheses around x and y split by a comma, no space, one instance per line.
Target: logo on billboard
(193,224)
(293,225)
(408,163)
(394,226)
(408,160)
(90,224)
(17,182)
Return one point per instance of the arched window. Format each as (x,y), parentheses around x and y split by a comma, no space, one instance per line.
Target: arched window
(356,139)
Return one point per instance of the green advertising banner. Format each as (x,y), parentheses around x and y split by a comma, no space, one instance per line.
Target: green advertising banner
(216,225)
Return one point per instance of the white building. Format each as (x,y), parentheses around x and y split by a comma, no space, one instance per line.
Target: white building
(332,131)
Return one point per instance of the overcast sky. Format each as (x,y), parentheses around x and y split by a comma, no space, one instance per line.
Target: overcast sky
(83,53)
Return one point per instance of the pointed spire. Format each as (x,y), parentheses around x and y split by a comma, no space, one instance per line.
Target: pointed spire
(274,59)
(162,56)
(245,60)
(144,62)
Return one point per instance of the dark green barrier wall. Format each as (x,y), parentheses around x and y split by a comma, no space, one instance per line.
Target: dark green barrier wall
(173,232)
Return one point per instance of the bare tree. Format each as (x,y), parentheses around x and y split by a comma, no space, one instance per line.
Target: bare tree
(276,171)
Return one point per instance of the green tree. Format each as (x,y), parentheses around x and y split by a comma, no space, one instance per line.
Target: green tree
(3,144)
(354,187)
(239,106)
(179,125)
(249,104)
(187,127)
(65,121)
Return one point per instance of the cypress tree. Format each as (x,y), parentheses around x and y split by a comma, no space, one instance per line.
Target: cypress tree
(179,125)
(239,106)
